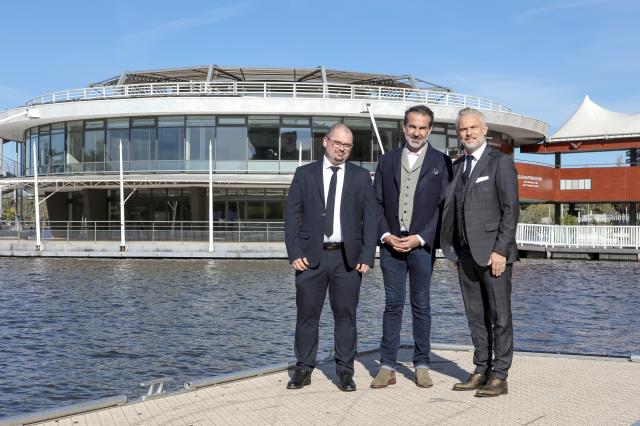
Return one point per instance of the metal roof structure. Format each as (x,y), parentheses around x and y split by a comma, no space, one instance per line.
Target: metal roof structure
(591,121)
(215,73)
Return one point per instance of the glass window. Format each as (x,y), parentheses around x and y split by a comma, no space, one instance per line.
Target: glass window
(171,121)
(170,148)
(75,141)
(362,139)
(95,124)
(389,136)
(197,147)
(93,157)
(439,142)
(255,210)
(112,152)
(57,150)
(33,141)
(201,120)
(118,123)
(321,126)
(274,210)
(264,120)
(292,140)
(231,148)
(231,120)
(295,121)
(43,150)
(142,149)
(263,143)
(143,122)
(325,122)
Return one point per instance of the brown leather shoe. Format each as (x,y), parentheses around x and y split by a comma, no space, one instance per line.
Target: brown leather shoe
(494,387)
(475,381)
(384,378)
(423,379)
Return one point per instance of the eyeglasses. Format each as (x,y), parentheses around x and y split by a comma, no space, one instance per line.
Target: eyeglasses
(338,144)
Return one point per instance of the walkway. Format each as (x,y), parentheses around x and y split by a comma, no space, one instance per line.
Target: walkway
(543,390)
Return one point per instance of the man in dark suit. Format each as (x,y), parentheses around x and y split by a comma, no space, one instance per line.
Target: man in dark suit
(330,234)
(410,185)
(478,233)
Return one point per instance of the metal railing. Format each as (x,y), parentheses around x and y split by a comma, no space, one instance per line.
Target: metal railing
(579,236)
(272,90)
(229,231)
(178,231)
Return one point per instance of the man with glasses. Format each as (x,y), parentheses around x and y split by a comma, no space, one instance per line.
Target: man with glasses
(410,185)
(330,234)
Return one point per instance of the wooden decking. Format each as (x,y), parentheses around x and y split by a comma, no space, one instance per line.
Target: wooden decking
(543,390)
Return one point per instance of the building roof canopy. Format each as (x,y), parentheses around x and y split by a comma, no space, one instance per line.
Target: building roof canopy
(591,121)
(215,73)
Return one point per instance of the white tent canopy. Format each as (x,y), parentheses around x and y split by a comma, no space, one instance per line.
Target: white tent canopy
(591,121)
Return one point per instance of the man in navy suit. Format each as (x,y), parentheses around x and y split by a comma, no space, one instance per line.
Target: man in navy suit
(410,185)
(330,234)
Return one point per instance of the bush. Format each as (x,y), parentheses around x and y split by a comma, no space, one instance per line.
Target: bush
(569,220)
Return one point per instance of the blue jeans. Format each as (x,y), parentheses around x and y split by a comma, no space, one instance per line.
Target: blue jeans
(395,266)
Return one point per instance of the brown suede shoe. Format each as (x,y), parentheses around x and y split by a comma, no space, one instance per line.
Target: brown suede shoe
(384,378)
(475,381)
(494,387)
(423,379)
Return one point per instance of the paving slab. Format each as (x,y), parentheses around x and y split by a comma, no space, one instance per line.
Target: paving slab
(544,389)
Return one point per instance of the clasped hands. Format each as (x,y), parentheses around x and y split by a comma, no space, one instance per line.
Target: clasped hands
(402,244)
(302,264)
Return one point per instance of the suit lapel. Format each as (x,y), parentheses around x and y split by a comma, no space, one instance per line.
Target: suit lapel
(479,168)
(317,176)
(426,162)
(396,164)
(345,183)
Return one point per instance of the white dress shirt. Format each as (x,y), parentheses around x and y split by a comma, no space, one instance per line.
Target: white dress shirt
(336,237)
(476,156)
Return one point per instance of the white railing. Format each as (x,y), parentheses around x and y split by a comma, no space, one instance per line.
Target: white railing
(579,236)
(272,90)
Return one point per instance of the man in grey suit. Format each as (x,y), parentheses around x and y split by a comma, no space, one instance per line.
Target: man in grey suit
(478,233)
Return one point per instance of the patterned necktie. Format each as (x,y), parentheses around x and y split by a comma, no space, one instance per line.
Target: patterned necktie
(331,202)
(467,169)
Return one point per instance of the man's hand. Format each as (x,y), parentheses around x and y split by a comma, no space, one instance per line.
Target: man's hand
(498,263)
(393,242)
(363,268)
(410,242)
(300,264)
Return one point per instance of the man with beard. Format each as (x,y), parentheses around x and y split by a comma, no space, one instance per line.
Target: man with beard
(410,185)
(478,233)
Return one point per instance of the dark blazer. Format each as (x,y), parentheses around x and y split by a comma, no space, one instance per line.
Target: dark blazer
(491,208)
(428,199)
(305,212)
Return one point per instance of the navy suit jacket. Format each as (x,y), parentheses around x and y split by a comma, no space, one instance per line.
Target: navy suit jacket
(428,199)
(305,214)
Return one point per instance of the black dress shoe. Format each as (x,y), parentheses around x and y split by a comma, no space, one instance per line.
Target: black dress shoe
(300,379)
(346,383)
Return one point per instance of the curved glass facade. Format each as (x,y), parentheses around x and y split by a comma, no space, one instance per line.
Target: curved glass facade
(240,143)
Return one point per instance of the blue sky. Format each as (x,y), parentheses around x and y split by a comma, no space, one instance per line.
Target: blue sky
(540,58)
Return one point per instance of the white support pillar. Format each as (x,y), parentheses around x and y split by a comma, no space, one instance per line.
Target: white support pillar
(375,127)
(210,196)
(36,201)
(123,242)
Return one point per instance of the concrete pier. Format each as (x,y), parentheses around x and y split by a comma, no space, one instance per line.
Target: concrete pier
(544,389)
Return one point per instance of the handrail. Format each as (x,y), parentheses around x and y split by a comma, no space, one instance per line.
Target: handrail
(271,90)
(581,236)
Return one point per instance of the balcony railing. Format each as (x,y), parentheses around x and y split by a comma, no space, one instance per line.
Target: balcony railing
(579,236)
(226,231)
(272,90)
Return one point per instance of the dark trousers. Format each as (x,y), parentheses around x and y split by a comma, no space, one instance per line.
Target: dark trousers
(418,264)
(343,283)
(487,302)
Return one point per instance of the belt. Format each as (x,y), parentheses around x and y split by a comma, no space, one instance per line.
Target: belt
(332,246)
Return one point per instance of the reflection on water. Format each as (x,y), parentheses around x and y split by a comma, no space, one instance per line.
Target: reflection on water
(79,329)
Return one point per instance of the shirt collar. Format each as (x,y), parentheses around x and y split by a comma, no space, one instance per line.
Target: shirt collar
(326,163)
(478,152)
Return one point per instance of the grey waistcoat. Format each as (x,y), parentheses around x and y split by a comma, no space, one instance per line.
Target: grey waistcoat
(408,182)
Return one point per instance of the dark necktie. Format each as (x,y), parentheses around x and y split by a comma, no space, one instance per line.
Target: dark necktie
(467,169)
(331,201)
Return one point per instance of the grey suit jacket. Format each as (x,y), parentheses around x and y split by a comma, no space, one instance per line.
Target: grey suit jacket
(491,209)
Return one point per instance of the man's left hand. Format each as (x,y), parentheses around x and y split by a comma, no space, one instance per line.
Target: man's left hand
(408,243)
(498,263)
(363,268)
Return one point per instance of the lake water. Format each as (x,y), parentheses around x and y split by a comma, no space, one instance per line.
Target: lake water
(78,329)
